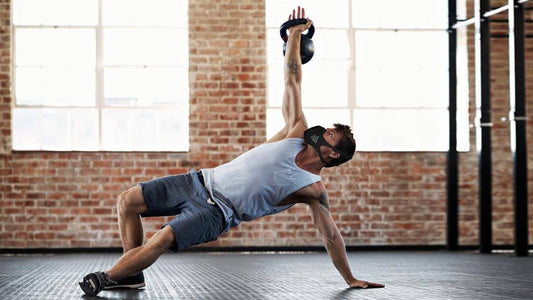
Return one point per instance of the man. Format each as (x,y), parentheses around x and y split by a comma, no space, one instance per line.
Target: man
(265,180)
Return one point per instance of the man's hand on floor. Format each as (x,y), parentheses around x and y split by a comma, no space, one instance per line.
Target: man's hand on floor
(364,284)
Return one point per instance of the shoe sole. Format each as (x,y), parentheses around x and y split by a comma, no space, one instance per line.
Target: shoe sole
(91,285)
(126,286)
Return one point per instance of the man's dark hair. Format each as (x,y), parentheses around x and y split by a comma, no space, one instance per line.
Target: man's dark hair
(346,143)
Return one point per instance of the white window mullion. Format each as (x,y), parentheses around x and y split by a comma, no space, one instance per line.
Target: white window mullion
(99,73)
(352,101)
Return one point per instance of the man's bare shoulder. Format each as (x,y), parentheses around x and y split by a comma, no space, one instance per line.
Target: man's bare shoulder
(314,192)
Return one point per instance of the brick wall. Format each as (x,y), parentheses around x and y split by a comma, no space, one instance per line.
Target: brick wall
(55,199)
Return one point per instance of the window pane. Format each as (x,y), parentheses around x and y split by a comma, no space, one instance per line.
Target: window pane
(145,86)
(145,47)
(401,130)
(413,75)
(28,86)
(406,49)
(325,87)
(55,129)
(400,14)
(275,122)
(58,47)
(55,86)
(323,13)
(142,130)
(274,47)
(83,129)
(393,87)
(115,129)
(55,12)
(331,45)
(145,13)
(145,129)
(26,129)
(275,86)
(68,87)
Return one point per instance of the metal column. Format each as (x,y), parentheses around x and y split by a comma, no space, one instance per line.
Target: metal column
(483,123)
(452,195)
(517,117)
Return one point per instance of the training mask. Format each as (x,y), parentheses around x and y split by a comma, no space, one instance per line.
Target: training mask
(314,137)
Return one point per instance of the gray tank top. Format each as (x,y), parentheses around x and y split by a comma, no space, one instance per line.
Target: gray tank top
(253,184)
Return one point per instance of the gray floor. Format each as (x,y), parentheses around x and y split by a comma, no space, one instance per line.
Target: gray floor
(407,275)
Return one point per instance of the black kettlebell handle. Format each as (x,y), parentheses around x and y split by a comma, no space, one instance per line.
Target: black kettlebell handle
(292,23)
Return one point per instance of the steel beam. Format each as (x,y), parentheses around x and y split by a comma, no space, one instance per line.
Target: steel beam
(517,117)
(452,195)
(483,123)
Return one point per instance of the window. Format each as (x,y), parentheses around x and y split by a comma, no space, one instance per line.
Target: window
(95,75)
(379,65)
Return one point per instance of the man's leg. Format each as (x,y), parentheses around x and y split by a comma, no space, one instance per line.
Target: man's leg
(140,258)
(130,204)
(131,262)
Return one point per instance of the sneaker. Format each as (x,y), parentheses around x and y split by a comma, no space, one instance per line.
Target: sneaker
(93,283)
(132,282)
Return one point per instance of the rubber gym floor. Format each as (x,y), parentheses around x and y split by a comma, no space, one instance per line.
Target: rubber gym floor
(286,275)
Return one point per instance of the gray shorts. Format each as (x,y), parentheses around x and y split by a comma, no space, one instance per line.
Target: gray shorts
(196,221)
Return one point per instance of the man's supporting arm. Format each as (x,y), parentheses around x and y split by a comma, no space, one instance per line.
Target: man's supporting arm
(334,242)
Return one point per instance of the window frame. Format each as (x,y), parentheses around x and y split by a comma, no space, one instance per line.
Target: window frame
(352,105)
(99,96)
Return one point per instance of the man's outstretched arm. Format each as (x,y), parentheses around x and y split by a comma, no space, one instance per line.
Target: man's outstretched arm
(334,242)
(292,95)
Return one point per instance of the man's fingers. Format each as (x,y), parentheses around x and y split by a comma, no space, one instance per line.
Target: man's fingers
(375,285)
(300,14)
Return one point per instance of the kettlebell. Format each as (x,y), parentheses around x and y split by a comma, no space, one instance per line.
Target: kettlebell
(307,48)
